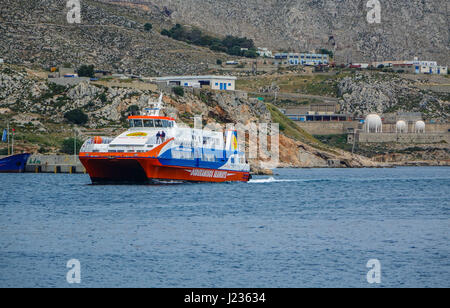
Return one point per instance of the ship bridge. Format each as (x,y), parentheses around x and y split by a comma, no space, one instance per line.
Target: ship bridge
(142,121)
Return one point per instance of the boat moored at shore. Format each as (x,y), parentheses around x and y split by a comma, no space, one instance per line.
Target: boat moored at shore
(14,163)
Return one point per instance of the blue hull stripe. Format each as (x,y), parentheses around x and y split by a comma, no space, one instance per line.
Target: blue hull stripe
(191,163)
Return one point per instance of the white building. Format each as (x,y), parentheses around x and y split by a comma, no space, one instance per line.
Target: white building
(436,70)
(1,61)
(424,63)
(293,58)
(227,83)
(429,67)
(264,52)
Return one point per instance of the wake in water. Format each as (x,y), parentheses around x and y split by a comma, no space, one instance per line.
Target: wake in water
(269,180)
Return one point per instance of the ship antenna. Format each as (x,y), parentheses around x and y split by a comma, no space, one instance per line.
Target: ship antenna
(155,107)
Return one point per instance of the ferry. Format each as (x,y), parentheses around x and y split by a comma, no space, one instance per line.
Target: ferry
(155,149)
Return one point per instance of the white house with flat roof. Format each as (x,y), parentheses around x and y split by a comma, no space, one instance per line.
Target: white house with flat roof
(293,58)
(429,67)
(214,82)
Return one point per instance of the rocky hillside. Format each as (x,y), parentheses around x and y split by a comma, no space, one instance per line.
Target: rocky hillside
(377,92)
(37,110)
(112,37)
(408,27)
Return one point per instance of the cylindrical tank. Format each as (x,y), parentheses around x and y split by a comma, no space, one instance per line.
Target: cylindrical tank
(420,127)
(401,127)
(374,124)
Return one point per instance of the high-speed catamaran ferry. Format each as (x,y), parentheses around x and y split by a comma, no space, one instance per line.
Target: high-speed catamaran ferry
(154,150)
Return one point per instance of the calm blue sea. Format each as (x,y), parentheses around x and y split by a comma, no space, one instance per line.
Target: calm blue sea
(300,228)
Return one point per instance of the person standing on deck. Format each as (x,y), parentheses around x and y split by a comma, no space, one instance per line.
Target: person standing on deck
(158,137)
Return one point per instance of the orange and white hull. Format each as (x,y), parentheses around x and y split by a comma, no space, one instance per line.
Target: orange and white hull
(148,170)
(149,167)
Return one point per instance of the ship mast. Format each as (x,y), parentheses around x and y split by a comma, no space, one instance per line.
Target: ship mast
(154,108)
(7,135)
(12,144)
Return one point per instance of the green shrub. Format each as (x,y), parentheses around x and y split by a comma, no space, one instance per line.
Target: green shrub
(178,91)
(165,32)
(43,150)
(148,27)
(76,116)
(133,110)
(230,44)
(219,62)
(86,71)
(68,145)
(326,52)
(103,97)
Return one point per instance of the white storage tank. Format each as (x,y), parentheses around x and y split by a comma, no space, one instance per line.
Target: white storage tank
(374,124)
(401,127)
(420,127)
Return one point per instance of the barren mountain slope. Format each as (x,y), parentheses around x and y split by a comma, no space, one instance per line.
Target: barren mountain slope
(408,27)
(110,36)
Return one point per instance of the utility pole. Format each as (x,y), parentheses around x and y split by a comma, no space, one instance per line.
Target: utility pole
(354,140)
(75,146)
(9,153)
(12,144)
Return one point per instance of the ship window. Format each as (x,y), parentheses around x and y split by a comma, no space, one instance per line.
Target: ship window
(165,123)
(138,123)
(149,123)
(131,123)
(158,123)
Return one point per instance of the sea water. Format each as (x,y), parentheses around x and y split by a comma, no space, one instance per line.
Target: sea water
(298,228)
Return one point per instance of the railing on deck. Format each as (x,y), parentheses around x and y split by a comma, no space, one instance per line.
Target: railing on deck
(90,144)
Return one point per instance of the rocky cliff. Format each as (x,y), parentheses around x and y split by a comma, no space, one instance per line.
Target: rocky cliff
(376,92)
(408,28)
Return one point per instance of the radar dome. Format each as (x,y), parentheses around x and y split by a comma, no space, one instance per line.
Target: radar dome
(401,127)
(374,123)
(420,127)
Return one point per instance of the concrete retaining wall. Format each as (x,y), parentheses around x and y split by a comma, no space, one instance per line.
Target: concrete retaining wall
(337,128)
(404,138)
(54,164)
(327,128)
(69,81)
(430,128)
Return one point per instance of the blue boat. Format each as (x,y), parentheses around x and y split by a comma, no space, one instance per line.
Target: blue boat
(14,163)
